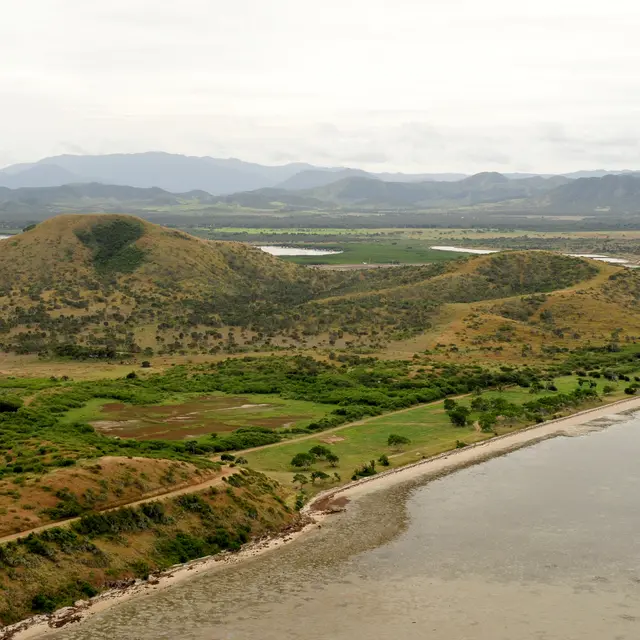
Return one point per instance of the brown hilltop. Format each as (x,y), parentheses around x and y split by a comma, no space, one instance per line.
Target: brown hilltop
(69,247)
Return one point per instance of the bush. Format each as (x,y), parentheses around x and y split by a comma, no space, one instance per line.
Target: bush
(10,404)
(365,470)
(384,460)
(396,440)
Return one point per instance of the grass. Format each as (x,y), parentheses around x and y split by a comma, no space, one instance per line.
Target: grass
(428,427)
(279,407)
(396,252)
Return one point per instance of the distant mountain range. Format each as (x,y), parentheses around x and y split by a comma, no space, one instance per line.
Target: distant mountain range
(487,191)
(179,174)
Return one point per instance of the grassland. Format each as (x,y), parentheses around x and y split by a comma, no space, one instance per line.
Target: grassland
(383,252)
(428,427)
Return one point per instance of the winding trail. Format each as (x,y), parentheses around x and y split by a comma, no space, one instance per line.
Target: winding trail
(211,482)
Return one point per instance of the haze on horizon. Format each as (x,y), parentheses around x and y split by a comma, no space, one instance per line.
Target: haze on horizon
(402,85)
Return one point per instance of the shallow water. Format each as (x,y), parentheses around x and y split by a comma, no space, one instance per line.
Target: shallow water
(593,256)
(297,251)
(541,543)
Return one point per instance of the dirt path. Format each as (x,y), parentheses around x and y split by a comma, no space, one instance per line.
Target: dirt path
(211,482)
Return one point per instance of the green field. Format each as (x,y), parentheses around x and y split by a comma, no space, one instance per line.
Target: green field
(400,252)
(427,426)
(192,415)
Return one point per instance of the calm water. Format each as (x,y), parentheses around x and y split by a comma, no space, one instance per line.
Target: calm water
(297,251)
(540,544)
(593,256)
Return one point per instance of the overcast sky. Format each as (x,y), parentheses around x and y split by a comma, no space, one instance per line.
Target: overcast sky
(414,85)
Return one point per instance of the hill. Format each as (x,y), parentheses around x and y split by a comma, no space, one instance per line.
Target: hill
(368,192)
(102,281)
(179,173)
(619,193)
(29,203)
(172,172)
(95,286)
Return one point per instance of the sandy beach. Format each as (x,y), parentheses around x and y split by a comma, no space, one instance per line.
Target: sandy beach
(323,504)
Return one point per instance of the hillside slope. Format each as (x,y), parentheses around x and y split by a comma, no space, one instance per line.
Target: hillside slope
(98,279)
(106,286)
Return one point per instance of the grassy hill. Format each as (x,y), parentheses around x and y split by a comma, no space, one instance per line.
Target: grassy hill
(98,280)
(98,286)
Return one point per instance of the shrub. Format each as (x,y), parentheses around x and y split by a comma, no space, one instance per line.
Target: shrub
(10,404)
(396,440)
(302,460)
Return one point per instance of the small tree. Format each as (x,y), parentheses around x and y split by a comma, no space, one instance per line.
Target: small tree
(449,404)
(320,452)
(396,440)
(459,416)
(319,475)
(302,460)
(227,457)
(242,461)
(487,422)
(384,460)
(332,459)
(146,364)
(479,404)
(300,479)
(608,389)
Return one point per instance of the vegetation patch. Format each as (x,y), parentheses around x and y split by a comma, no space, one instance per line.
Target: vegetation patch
(112,244)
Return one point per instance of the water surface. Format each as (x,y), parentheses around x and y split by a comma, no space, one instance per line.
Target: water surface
(538,544)
(297,251)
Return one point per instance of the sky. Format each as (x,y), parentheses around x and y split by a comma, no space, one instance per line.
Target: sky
(386,85)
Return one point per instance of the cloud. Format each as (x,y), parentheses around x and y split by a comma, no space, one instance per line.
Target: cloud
(445,85)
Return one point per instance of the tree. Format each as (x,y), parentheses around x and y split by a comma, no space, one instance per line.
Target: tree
(479,404)
(241,460)
(607,389)
(395,440)
(449,404)
(319,475)
(146,364)
(459,416)
(487,422)
(320,452)
(332,459)
(384,460)
(302,460)
(300,479)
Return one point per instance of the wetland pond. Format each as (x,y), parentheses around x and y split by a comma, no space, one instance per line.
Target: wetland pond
(297,251)
(199,416)
(541,543)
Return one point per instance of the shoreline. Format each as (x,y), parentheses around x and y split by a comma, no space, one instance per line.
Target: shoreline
(312,514)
